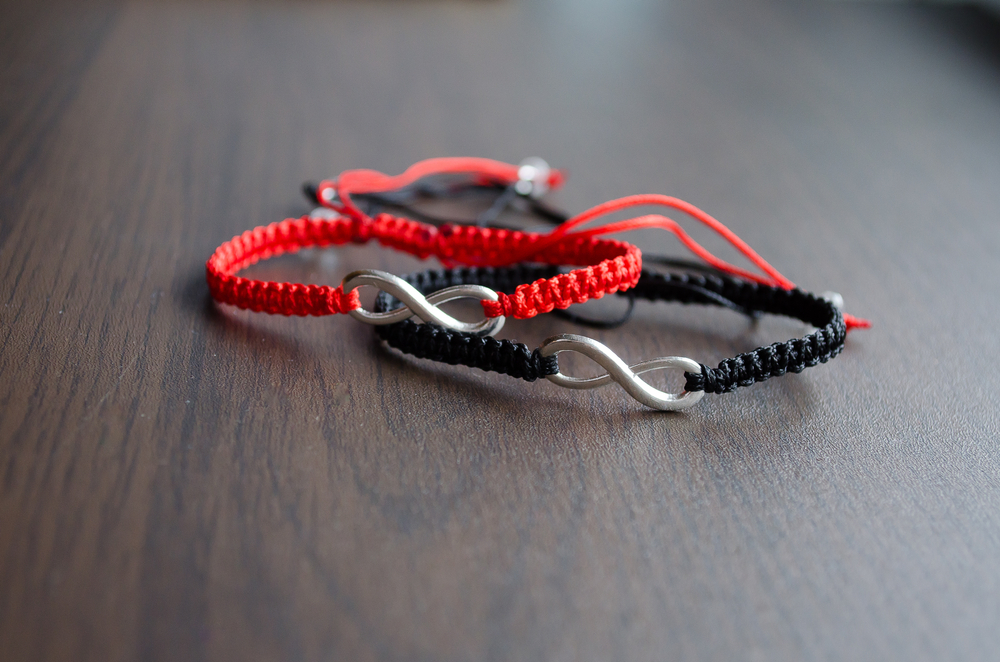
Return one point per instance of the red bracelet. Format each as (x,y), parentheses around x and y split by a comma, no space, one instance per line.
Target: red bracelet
(617,265)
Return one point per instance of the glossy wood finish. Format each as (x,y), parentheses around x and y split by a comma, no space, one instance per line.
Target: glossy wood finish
(184,482)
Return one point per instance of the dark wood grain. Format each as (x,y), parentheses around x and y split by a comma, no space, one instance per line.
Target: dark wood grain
(180,481)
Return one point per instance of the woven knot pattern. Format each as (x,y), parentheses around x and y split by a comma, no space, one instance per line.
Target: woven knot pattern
(761,364)
(430,341)
(616,264)
(618,268)
(402,234)
(272,297)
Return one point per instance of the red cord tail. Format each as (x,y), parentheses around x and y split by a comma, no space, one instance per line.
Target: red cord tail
(569,230)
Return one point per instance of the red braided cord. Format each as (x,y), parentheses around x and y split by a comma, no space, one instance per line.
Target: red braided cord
(272,297)
(617,267)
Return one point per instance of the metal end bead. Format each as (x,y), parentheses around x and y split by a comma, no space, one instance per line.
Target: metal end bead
(834,298)
(533,177)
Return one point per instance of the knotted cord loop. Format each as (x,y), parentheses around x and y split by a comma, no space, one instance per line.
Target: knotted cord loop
(617,263)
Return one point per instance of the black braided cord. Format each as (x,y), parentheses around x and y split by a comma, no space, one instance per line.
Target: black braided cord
(516,359)
(774,360)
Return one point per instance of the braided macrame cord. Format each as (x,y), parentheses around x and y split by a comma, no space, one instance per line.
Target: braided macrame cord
(614,265)
(516,359)
(489,255)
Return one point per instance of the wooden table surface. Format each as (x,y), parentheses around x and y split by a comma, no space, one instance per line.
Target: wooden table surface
(182,481)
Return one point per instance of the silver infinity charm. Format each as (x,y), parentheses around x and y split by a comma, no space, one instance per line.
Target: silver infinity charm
(622,373)
(417,304)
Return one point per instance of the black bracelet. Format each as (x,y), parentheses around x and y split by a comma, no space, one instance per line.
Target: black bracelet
(516,359)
